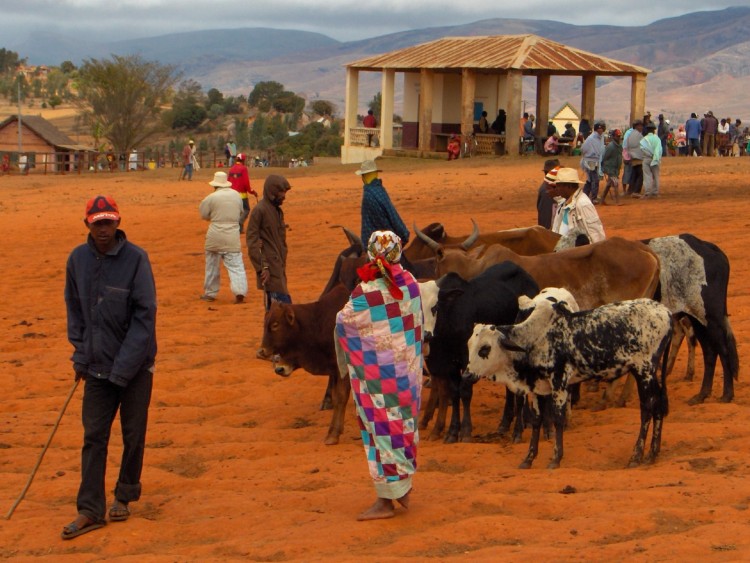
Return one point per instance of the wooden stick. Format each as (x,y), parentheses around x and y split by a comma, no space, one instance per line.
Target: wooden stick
(44,450)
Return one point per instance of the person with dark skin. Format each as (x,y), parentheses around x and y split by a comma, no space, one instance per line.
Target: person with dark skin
(111,303)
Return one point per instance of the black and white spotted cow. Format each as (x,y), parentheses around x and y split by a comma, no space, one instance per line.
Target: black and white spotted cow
(491,297)
(554,347)
(693,282)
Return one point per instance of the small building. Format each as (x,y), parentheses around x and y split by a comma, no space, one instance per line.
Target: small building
(45,147)
(566,114)
(450,81)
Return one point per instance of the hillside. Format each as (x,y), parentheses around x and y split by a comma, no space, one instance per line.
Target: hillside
(713,72)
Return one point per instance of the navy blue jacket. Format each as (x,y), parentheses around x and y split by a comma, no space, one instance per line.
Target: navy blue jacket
(111,302)
(378,213)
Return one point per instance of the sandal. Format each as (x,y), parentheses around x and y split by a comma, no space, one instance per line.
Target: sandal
(119,512)
(74,529)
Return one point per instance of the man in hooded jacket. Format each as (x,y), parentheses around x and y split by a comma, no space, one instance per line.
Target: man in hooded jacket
(266,241)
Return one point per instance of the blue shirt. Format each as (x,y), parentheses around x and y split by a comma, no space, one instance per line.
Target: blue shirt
(378,213)
(693,128)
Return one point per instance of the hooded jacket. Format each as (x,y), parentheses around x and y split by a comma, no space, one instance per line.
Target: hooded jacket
(266,236)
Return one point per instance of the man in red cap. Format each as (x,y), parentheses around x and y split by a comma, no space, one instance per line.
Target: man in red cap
(111,303)
(240,180)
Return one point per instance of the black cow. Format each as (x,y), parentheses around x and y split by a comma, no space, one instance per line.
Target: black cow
(491,297)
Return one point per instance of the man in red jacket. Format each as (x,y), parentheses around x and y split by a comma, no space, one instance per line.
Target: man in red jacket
(240,180)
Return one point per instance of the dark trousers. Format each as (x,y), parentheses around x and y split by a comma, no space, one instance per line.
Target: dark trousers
(101,401)
(591,188)
(694,145)
(636,179)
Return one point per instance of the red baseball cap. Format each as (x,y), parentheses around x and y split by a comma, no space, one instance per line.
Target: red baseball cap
(100,208)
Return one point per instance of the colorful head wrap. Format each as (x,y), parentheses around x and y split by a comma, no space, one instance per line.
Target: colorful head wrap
(384,250)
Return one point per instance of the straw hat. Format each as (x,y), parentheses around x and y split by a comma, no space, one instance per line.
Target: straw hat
(568,176)
(367,167)
(220,181)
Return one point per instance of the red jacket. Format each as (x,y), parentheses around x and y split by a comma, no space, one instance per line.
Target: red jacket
(240,180)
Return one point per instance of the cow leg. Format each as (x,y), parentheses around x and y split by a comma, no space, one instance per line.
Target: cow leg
(548,415)
(451,437)
(519,403)
(679,332)
(559,401)
(727,349)
(509,411)
(709,364)
(340,397)
(648,393)
(327,403)
(443,396)
(466,392)
(429,409)
(627,390)
(536,423)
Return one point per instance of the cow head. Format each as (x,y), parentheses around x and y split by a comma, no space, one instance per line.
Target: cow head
(574,238)
(279,327)
(487,357)
(535,317)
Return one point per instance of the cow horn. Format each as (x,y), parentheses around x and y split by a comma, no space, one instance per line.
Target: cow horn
(472,237)
(351,237)
(427,240)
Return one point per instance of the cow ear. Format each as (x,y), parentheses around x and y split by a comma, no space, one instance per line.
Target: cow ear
(506,340)
(562,308)
(582,239)
(524,302)
(289,314)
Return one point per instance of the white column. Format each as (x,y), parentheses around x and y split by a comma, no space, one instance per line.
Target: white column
(386,108)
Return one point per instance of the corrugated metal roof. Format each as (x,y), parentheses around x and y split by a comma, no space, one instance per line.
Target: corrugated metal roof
(530,54)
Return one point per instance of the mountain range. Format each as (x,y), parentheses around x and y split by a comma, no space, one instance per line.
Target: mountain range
(699,61)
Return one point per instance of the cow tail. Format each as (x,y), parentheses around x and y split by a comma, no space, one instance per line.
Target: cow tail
(664,399)
(733,359)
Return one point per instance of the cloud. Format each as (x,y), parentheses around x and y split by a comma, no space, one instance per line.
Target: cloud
(344,20)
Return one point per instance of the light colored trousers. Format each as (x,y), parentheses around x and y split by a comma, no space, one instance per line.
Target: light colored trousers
(650,178)
(235,267)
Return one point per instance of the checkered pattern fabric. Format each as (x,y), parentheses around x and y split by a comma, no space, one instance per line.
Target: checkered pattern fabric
(382,341)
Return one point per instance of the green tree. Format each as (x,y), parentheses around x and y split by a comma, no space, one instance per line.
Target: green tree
(288,102)
(67,67)
(126,94)
(188,108)
(375,104)
(264,93)
(214,97)
(55,101)
(323,107)
(56,82)
(9,61)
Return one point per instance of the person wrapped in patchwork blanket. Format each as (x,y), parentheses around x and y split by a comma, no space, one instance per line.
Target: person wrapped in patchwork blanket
(379,347)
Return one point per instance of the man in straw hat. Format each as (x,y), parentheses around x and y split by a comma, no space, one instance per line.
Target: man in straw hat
(378,212)
(575,210)
(223,208)
(111,302)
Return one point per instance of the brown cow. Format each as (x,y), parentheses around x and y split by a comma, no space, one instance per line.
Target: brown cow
(526,241)
(302,337)
(611,270)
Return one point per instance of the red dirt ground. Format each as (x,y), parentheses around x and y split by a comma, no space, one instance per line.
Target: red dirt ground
(235,464)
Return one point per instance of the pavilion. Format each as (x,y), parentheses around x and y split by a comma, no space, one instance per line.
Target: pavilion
(450,81)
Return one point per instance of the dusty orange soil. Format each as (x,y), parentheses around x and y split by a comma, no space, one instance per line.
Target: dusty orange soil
(235,465)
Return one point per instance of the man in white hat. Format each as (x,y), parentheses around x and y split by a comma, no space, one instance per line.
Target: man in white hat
(575,211)
(378,212)
(223,208)
(187,160)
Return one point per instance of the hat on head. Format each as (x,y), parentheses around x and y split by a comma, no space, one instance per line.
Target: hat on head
(100,208)
(191,142)
(240,157)
(550,164)
(617,133)
(551,176)
(568,176)
(367,167)
(651,127)
(220,181)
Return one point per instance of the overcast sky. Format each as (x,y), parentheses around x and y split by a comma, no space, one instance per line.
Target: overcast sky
(345,20)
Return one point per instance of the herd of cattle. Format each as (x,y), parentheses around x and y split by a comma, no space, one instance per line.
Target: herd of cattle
(609,309)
